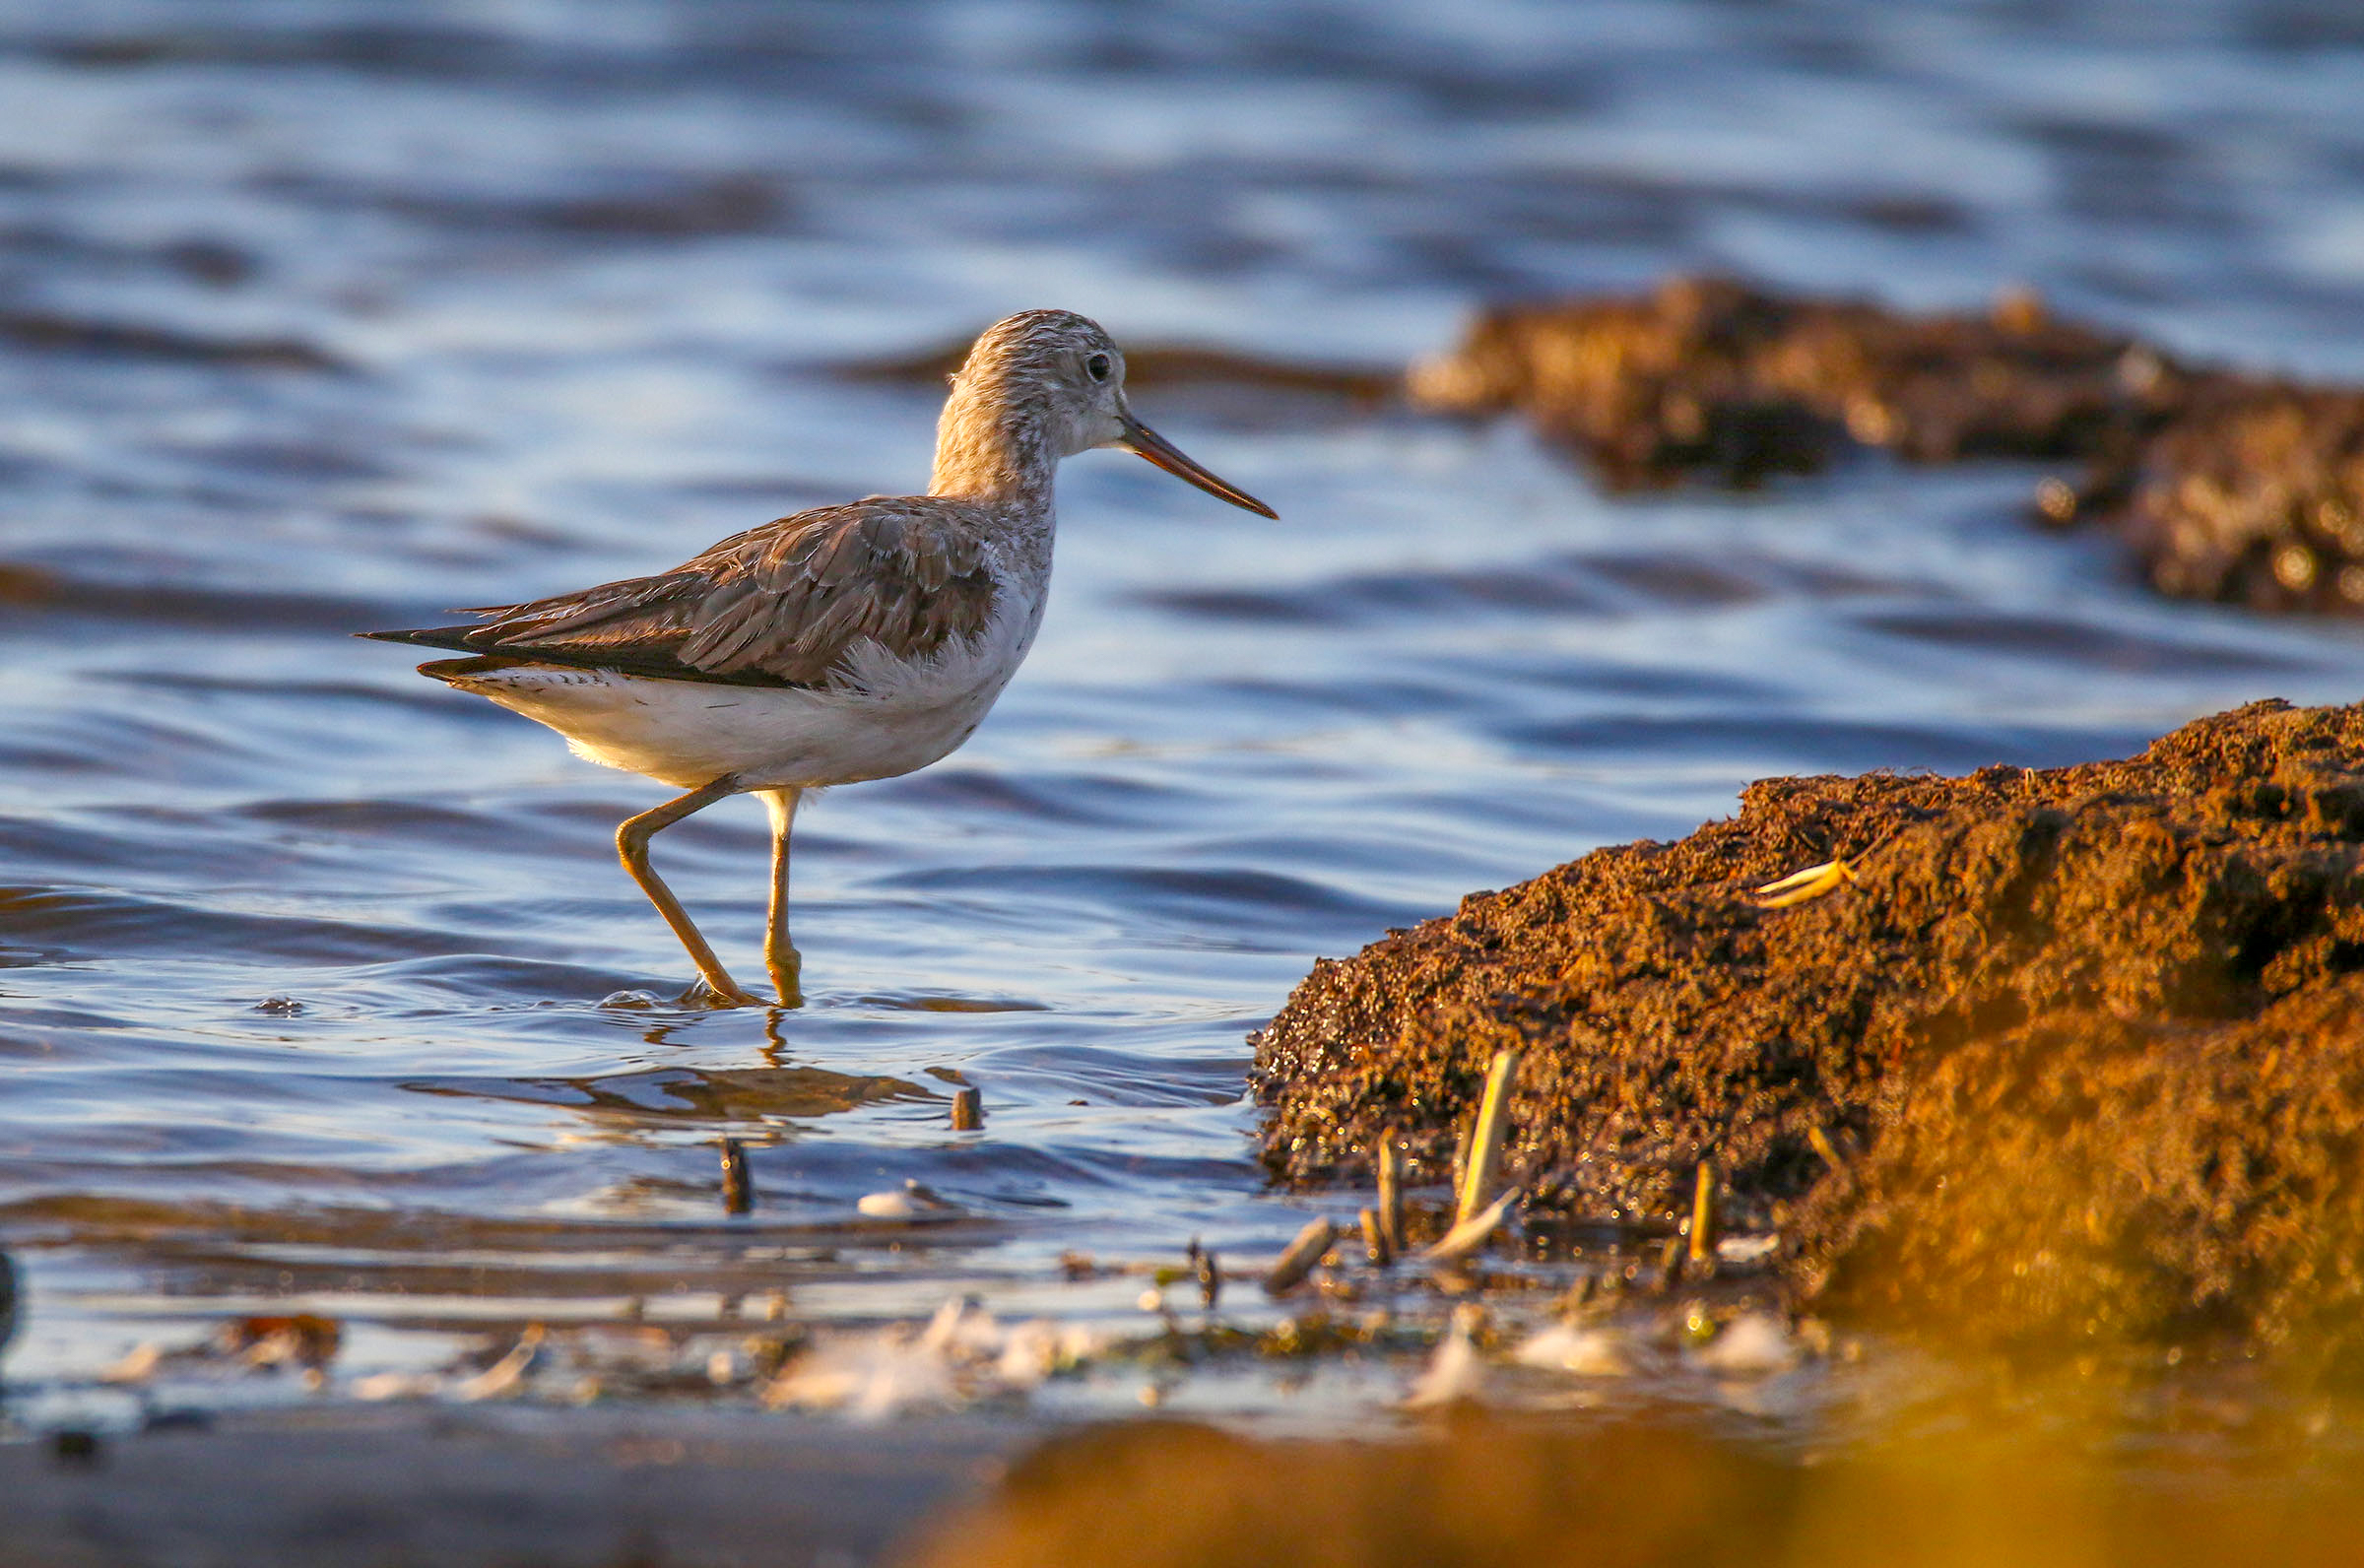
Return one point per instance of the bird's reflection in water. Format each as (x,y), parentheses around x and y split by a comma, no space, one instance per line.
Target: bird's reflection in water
(675,1096)
(7,1304)
(759,1104)
(935,1002)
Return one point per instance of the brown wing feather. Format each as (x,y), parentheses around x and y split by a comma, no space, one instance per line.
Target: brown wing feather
(780,604)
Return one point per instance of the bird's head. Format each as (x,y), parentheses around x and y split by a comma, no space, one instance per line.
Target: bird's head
(1063,375)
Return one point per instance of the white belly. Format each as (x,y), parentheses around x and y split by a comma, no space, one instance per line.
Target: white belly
(885,719)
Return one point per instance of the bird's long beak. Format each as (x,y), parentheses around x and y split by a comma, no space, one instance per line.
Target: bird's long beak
(1166,455)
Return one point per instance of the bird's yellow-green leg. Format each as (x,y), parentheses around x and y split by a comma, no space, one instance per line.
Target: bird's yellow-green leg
(632,843)
(787,965)
(1799,887)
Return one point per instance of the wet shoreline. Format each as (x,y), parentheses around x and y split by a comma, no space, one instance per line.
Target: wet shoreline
(325,1002)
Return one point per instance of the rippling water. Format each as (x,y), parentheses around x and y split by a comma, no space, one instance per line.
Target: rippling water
(315,318)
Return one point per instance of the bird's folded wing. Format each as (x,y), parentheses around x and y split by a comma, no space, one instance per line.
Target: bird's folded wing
(778,604)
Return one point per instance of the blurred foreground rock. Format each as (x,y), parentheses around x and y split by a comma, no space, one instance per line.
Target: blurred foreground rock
(2225,487)
(1622,1494)
(2086,1045)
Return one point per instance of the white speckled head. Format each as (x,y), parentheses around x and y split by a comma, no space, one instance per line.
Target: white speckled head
(1037,387)
(1059,367)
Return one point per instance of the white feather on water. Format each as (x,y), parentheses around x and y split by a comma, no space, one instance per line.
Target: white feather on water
(1456,1373)
(962,1354)
(1585,1352)
(1752,1344)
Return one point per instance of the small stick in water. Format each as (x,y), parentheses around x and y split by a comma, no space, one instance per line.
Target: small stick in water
(1374,1240)
(1484,1163)
(1703,1213)
(1391,1191)
(1470,1234)
(969,1110)
(1211,1278)
(1298,1261)
(738,1193)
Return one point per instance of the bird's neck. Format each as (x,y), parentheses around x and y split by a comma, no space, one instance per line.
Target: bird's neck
(991,448)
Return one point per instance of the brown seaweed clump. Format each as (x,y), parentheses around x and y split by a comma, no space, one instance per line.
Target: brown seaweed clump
(2078,1052)
(1705,377)
(2254,494)
(2242,489)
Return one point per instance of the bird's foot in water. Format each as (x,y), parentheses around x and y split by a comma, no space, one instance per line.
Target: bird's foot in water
(704,993)
(787,967)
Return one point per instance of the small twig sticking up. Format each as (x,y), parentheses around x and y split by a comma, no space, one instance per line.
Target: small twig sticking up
(1391,1191)
(1485,1164)
(1471,1233)
(738,1191)
(1703,1213)
(1303,1254)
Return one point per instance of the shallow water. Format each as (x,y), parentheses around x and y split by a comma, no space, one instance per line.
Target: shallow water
(319,986)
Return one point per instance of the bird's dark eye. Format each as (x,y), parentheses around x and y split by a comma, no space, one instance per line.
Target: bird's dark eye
(1097,367)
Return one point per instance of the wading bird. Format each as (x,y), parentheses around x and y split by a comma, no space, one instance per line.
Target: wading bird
(841,644)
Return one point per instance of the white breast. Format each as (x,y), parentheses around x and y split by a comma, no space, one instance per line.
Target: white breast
(885,716)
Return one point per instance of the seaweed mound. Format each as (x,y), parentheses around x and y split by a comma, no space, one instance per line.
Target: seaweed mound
(2077,1050)
(2253,495)
(1705,377)
(2225,486)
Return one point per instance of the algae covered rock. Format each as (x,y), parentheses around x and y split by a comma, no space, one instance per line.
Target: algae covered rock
(2255,495)
(2228,486)
(2077,1050)
(1708,376)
